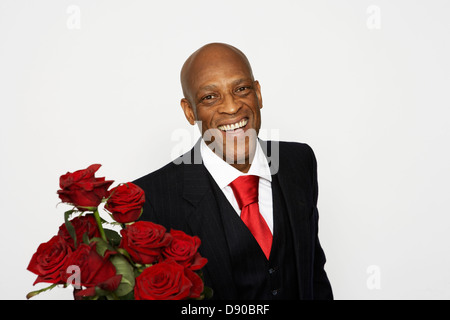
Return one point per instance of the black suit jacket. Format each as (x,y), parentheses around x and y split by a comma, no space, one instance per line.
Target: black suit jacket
(180,196)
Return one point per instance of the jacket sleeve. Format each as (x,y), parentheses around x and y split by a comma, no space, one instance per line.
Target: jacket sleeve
(321,285)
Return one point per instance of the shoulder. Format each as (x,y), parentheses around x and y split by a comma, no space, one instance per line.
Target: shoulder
(298,163)
(296,149)
(168,180)
(286,148)
(163,193)
(292,154)
(295,162)
(298,155)
(166,173)
(164,180)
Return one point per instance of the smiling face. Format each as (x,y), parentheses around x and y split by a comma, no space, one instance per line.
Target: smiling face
(222,95)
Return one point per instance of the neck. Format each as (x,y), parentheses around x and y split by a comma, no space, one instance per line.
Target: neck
(241,167)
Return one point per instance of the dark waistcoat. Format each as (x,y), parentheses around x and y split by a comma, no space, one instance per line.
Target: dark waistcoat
(256,277)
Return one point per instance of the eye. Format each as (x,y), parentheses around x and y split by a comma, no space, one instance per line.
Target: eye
(208,97)
(243,90)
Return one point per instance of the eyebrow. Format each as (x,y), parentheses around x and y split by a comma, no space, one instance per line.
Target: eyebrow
(213,86)
(208,87)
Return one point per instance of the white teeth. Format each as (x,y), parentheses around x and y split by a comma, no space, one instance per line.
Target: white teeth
(234,126)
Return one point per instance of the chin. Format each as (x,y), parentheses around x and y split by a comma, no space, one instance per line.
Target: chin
(239,153)
(233,146)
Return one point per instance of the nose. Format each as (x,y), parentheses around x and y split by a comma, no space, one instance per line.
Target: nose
(229,105)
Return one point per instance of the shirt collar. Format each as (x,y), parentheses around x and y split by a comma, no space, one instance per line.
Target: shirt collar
(224,174)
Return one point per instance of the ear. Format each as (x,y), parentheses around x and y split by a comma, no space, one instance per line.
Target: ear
(188,110)
(258,93)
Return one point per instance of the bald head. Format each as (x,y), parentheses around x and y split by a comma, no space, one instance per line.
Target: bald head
(207,59)
(224,100)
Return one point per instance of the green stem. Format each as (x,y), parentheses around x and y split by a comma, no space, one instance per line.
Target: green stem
(100,226)
(34,293)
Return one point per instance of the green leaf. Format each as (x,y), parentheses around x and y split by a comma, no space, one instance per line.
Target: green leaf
(207,292)
(126,254)
(101,246)
(100,292)
(85,238)
(124,268)
(128,296)
(113,237)
(69,226)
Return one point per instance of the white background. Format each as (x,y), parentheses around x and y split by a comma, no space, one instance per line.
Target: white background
(85,82)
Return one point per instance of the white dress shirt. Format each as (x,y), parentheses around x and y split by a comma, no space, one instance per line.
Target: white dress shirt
(224,174)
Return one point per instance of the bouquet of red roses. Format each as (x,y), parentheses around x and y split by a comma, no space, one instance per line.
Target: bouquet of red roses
(143,262)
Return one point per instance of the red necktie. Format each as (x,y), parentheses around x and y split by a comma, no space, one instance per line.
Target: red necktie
(245,189)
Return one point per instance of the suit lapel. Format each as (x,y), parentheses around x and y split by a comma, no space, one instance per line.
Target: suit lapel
(205,221)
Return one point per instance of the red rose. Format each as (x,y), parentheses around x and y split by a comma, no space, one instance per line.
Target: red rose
(82,189)
(82,225)
(167,280)
(183,249)
(49,259)
(144,240)
(125,202)
(95,270)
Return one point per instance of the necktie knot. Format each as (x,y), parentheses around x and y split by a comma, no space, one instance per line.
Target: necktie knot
(245,189)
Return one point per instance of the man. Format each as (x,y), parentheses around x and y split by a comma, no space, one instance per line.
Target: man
(258,222)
